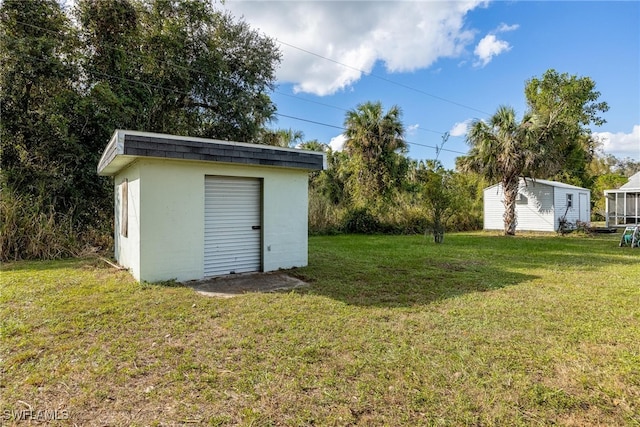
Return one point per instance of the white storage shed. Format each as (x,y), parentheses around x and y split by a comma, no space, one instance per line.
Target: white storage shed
(539,205)
(191,208)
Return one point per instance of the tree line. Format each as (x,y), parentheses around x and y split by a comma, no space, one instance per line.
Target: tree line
(374,187)
(69,78)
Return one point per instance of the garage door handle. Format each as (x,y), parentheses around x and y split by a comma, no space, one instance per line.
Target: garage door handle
(255,227)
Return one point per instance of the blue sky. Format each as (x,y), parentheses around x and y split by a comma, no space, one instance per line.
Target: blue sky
(445,63)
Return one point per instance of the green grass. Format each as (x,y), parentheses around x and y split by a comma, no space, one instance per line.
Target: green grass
(394,330)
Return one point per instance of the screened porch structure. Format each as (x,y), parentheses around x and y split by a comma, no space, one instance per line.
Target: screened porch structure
(623,204)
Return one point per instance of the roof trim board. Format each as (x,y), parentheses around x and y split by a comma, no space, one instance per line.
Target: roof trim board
(125,146)
(534,181)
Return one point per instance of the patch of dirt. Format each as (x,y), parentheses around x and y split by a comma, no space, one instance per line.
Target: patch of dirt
(238,284)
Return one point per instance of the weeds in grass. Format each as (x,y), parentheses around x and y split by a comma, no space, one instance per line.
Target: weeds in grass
(29,230)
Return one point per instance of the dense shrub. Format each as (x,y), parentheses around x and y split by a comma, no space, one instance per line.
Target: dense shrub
(324,216)
(361,220)
(400,215)
(31,229)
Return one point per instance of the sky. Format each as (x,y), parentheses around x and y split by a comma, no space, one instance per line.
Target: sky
(446,63)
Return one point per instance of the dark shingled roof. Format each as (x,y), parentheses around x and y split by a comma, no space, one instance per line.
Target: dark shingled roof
(125,146)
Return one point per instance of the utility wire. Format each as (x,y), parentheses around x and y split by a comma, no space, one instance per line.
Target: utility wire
(385,79)
(141,56)
(310,101)
(346,110)
(147,85)
(162,88)
(344,129)
(311,121)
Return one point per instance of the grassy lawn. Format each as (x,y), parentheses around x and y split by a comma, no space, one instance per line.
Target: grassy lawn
(394,330)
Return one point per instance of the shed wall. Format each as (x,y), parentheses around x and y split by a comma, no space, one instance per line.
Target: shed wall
(172,221)
(576,212)
(127,249)
(172,217)
(534,210)
(539,208)
(493,208)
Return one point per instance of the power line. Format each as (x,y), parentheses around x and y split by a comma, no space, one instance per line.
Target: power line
(310,121)
(141,56)
(310,101)
(148,85)
(162,88)
(384,78)
(344,129)
(346,110)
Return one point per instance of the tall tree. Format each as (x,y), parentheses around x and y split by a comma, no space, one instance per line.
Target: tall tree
(552,139)
(37,74)
(375,142)
(568,105)
(160,65)
(282,137)
(503,149)
(181,66)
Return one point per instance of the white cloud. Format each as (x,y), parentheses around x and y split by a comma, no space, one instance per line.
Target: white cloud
(411,129)
(621,144)
(405,36)
(503,28)
(459,129)
(489,47)
(337,142)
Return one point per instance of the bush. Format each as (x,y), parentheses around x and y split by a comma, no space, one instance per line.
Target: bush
(31,230)
(361,220)
(414,222)
(465,221)
(324,216)
(401,214)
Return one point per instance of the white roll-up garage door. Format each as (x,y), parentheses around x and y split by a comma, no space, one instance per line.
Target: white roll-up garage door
(232,222)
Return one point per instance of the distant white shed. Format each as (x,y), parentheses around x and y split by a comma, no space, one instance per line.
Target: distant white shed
(539,206)
(190,208)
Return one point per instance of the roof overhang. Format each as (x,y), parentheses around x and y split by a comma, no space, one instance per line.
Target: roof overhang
(622,191)
(534,181)
(125,146)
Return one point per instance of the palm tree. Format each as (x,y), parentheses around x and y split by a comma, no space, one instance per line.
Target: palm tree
(314,145)
(504,150)
(287,138)
(374,140)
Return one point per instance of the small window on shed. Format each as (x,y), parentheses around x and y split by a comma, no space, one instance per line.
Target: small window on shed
(569,200)
(124,208)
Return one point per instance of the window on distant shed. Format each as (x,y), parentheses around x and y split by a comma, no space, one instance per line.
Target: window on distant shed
(569,200)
